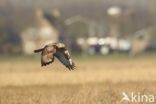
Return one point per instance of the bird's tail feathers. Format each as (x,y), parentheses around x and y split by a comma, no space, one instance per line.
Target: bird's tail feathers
(38,50)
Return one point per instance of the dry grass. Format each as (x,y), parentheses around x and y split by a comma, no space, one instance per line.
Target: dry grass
(99,81)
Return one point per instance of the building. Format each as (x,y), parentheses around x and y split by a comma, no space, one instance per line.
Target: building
(37,36)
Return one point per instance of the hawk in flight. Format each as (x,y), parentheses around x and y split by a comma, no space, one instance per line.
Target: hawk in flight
(58,50)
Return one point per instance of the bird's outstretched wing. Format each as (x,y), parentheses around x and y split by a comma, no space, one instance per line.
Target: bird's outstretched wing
(47,54)
(63,56)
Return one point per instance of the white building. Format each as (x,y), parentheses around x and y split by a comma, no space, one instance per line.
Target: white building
(37,36)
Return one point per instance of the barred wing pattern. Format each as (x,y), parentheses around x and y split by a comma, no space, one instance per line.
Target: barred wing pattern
(63,55)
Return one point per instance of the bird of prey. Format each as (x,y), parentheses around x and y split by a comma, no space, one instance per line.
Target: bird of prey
(58,50)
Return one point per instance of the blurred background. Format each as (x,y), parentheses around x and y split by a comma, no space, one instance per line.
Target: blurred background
(112,44)
(86,26)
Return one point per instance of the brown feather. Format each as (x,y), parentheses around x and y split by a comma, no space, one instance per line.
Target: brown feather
(47,55)
(50,51)
(38,50)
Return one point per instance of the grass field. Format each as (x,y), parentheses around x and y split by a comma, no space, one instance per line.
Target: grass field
(96,80)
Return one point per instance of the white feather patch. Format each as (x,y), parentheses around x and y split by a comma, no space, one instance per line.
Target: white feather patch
(70,60)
